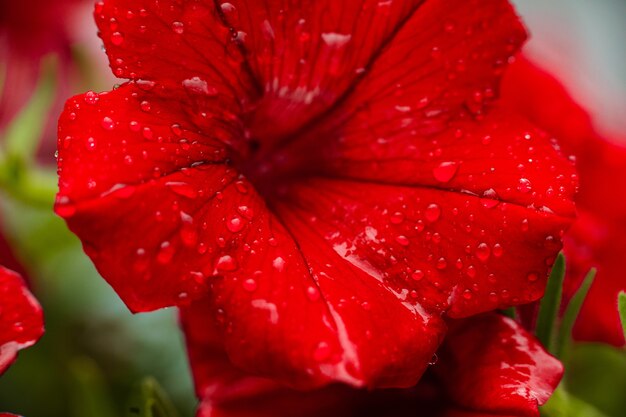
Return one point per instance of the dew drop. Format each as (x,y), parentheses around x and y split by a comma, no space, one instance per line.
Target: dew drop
(524,185)
(417,275)
(445,171)
(250,285)
(178,27)
(432,213)
(176,129)
(183,189)
(117,38)
(108,123)
(166,253)
(235,223)
(279,264)
(196,85)
(312,294)
(397,218)
(91,144)
(90,97)
(402,240)
(497,250)
(441,263)
(241,187)
(226,263)
(483,252)
(533,277)
(471,271)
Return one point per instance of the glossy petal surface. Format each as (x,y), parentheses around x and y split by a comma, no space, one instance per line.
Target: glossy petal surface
(326,187)
(21,318)
(490,363)
(504,357)
(597,239)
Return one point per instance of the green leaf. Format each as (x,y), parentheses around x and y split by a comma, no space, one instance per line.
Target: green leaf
(563,404)
(150,400)
(596,374)
(549,306)
(571,314)
(621,307)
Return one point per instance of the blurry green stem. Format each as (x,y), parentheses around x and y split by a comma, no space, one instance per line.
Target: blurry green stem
(32,186)
(19,175)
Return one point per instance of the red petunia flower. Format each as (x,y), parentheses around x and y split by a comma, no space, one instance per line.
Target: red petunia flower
(598,237)
(21,317)
(332,178)
(476,374)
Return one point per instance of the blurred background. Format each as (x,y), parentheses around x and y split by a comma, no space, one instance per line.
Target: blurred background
(95,352)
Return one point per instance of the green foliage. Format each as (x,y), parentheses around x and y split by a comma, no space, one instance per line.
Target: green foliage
(571,314)
(621,307)
(149,400)
(549,306)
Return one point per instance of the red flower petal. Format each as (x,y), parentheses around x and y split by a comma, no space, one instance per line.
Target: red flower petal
(304,57)
(430,249)
(184,45)
(168,220)
(597,239)
(490,363)
(524,374)
(21,318)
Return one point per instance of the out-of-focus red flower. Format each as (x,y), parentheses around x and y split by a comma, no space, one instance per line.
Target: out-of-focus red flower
(332,178)
(598,237)
(487,365)
(21,317)
(28,31)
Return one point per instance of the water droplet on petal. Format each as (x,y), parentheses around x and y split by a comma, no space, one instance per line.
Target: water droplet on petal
(445,171)
(91,144)
(441,263)
(279,264)
(178,27)
(117,38)
(402,240)
(182,189)
(196,85)
(166,253)
(226,263)
(250,285)
(483,252)
(417,275)
(397,218)
(108,123)
(90,97)
(235,223)
(312,293)
(524,185)
(432,213)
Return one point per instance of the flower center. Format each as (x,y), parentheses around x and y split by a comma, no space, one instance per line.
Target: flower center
(272,165)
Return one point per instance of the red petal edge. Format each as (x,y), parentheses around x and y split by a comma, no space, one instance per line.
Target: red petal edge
(21,317)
